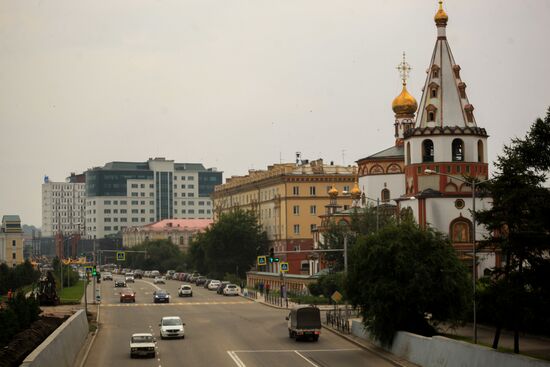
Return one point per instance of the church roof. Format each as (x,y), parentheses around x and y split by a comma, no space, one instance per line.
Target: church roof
(444,101)
(395,152)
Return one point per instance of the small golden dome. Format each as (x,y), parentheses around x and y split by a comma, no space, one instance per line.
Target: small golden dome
(355,192)
(441,17)
(333,192)
(404,104)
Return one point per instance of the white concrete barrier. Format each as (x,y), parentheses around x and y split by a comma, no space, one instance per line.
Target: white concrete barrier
(439,351)
(62,346)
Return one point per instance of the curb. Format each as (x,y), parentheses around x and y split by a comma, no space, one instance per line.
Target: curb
(85,357)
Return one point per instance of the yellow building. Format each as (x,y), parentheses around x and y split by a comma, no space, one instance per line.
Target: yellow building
(287,199)
(11,240)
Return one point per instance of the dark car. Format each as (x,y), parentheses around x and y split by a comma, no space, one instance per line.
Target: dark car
(120,283)
(161,296)
(205,284)
(200,280)
(127,295)
(222,286)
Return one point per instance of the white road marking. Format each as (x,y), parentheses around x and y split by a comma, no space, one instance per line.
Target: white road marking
(174,304)
(236,359)
(294,350)
(307,360)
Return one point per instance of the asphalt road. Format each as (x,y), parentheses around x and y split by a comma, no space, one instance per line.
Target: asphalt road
(219,331)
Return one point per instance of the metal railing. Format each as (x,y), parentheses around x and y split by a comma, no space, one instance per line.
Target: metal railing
(276,299)
(339,319)
(250,293)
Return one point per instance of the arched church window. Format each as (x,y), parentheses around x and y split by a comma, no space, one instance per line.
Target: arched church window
(408,153)
(458,150)
(461,230)
(480,151)
(431,116)
(385,195)
(427,151)
(434,93)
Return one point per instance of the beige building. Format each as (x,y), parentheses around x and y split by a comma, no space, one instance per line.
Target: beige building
(179,231)
(287,199)
(11,240)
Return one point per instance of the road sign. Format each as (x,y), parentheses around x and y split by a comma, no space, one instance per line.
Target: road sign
(336,296)
(120,256)
(284,267)
(89,269)
(261,260)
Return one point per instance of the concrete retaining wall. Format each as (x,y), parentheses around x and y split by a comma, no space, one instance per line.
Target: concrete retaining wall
(62,346)
(439,351)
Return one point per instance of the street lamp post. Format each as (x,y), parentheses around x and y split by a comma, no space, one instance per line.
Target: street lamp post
(474,260)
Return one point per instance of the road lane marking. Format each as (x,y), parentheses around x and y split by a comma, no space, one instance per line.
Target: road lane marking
(299,350)
(236,359)
(307,360)
(174,304)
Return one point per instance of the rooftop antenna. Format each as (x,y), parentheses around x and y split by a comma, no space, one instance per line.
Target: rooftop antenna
(298,157)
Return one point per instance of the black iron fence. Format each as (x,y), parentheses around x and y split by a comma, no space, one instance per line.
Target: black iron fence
(339,319)
(250,293)
(276,299)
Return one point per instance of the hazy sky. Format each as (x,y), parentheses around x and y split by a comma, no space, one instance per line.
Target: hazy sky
(241,84)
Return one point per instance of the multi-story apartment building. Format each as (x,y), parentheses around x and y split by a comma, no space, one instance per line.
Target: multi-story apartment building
(125,194)
(63,206)
(287,199)
(11,240)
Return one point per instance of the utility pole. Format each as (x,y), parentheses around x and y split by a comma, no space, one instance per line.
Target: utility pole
(346,269)
(94,278)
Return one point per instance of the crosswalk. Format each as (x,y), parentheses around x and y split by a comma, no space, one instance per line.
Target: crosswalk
(176,304)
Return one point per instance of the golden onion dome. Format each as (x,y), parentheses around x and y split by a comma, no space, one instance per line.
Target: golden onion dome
(355,192)
(404,104)
(333,192)
(441,17)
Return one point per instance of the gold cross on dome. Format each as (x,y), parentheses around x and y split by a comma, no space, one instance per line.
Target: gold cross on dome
(404,70)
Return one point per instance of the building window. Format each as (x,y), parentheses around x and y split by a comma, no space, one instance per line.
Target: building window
(123,202)
(107,219)
(480,151)
(295,190)
(134,194)
(106,211)
(458,150)
(190,186)
(13,256)
(142,186)
(134,186)
(460,230)
(431,116)
(433,93)
(106,202)
(13,243)
(385,194)
(135,211)
(312,191)
(296,229)
(190,178)
(123,211)
(313,227)
(427,151)
(313,209)
(296,210)
(408,153)
(143,219)
(191,211)
(135,220)
(107,228)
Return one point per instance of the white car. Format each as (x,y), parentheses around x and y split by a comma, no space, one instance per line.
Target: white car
(171,327)
(159,280)
(129,279)
(142,344)
(231,290)
(213,285)
(185,291)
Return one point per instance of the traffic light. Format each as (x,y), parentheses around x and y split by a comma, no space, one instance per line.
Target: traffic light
(94,271)
(272,258)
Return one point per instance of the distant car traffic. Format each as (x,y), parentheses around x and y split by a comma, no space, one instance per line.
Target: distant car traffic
(231,290)
(213,285)
(127,295)
(120,283)
(185,291)
(129,279)
(159,280)
(171,327)
(107,276)
(142,344)
(161,296)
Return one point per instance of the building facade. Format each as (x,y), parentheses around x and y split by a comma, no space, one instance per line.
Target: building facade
(435,153)
(178,231)
(11,240)
(287,200)
(124,194)
(63,206)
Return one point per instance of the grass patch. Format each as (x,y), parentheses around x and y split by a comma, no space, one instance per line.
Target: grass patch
(72,295)
(310,300)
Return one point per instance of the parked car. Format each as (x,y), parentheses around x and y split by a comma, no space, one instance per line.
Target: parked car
(155,273)
(231,290)
(138,274)
(171,327)
(107,276)
(206,282)
(200,280)
(120,284)
(213,285)
(161,296)
(221,287)
(304,322)
(142,344)
(147,274)
(129,279)
(159,280)
(127,295)
(185,291)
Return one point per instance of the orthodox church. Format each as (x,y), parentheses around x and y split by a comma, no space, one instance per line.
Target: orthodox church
(438,149)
